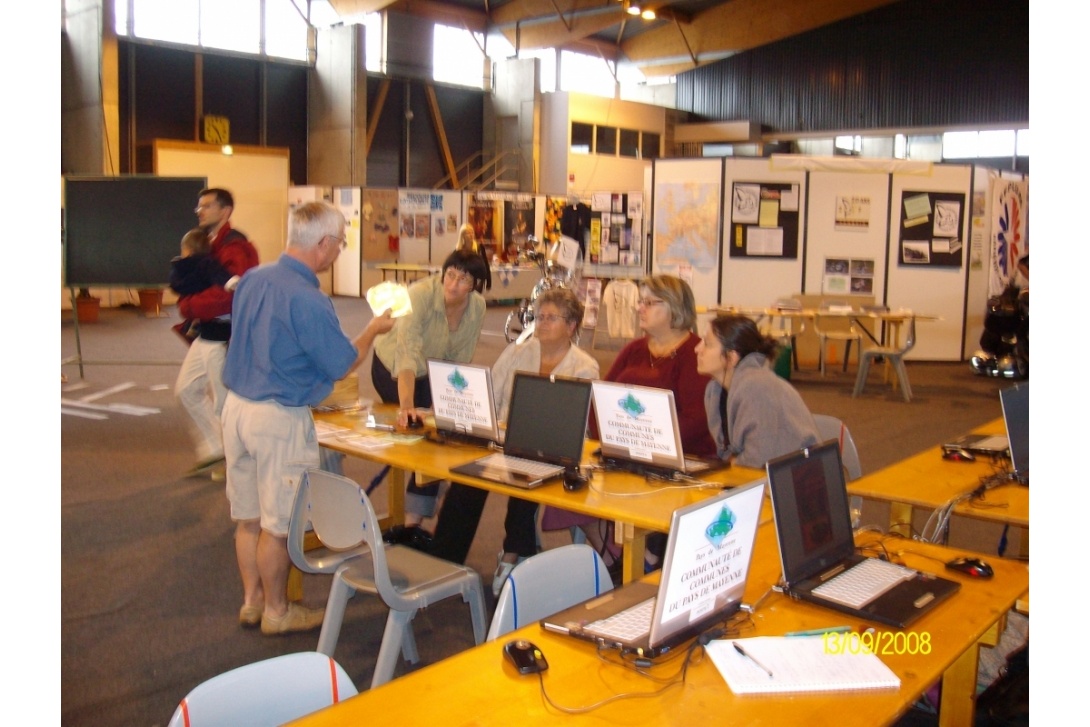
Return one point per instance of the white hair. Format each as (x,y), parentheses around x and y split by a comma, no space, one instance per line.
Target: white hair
(309,223)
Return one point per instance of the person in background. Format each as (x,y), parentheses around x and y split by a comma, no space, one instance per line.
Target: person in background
(286,351)
(551,350)
(445,323)
(467,241)
(195,270)
(199,386)
(665,358)
(753,414)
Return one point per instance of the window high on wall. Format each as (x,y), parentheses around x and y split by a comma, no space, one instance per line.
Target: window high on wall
(587,74)
(458,56)
(234,25)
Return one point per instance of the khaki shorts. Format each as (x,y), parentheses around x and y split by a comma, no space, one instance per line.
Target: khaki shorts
(267,446)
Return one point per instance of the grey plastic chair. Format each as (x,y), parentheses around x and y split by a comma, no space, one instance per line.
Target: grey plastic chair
(546,583)
(268,692)
(894,356)
(830,427)
(835,327)
(406,579)
(321,560)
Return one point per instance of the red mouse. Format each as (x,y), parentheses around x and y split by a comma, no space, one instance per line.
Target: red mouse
(957,454)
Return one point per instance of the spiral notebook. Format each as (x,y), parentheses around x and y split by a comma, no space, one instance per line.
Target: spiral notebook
(774,664)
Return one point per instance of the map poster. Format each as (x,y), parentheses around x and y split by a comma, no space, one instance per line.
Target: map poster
(686,224)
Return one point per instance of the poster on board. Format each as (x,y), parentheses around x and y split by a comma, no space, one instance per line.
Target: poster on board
(931,228)
(764,220)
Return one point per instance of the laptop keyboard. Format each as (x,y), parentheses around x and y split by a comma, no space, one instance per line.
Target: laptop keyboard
(864,582)
(528,467)
(628,625)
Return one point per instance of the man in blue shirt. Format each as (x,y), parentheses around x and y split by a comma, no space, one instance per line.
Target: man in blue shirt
(286,351)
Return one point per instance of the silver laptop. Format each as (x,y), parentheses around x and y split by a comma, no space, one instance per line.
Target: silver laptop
(638,431)
(817,547)
(546,427)
(463,403)
(1015,401)
(1013,444)
(702,581)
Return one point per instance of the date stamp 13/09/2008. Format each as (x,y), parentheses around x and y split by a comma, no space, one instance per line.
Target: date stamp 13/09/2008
(877,642)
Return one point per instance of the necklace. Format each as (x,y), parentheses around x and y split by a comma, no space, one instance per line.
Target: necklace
(671,353)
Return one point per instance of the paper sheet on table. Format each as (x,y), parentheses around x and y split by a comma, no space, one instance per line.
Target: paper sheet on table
(798,665)
(389,295)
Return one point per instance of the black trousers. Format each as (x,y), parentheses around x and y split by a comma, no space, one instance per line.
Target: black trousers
(386,386)
(461,514)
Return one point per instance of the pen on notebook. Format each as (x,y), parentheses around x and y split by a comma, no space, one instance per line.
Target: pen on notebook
(819,632)
(742,651)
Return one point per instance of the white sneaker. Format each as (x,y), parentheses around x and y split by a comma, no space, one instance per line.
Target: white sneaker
(503,569)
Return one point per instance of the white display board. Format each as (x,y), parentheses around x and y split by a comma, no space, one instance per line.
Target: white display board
(346,270)
(929,289)
(759,281)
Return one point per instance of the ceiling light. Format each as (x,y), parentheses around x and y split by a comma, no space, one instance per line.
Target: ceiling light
(632,9)
(648,14)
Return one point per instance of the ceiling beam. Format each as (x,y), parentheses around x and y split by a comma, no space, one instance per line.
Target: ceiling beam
(733,27)
(533,24)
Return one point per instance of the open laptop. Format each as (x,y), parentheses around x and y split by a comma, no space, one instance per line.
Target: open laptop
(702,581)
(638,431)
(546,426)
(463,403)
(1015,403)
(817,548)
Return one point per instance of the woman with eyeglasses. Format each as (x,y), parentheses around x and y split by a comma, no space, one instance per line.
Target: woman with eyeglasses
(753,414)
(665,358)
(551,350)
(445,323)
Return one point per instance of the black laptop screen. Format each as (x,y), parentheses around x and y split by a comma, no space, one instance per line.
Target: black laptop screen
(810,503)
(548,418)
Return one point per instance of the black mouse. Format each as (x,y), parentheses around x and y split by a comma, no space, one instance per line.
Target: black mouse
(972,566)
(574,480)
(957,454)
(415,422)
(525,656)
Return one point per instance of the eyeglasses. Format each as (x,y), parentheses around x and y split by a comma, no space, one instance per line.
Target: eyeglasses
(455,276)
(648,302)
(550,317)
(342,241)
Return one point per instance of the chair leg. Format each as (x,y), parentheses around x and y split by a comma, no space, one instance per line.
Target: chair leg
(902,376)
(794,353)
(861,376)
(393,638)
(847,354)
(578,537)
(339,593)
(477,613)
(821,356)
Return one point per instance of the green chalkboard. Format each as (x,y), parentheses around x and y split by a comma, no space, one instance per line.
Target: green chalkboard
(123,231)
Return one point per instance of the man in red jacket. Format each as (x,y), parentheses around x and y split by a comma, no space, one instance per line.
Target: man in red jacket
(200,381)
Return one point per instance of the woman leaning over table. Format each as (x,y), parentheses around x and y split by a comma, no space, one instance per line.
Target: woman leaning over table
(753,414)
(551,350)
(665,358)
(445,323)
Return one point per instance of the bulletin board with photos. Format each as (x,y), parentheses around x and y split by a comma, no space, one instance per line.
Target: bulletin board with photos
(764,220)
(848,276)
(930,230)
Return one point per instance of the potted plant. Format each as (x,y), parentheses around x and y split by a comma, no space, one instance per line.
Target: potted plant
(86,307)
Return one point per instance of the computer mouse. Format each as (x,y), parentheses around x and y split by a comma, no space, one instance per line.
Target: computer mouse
(415,422)
(957,454)
(971,566)
(574,480)
(525,656)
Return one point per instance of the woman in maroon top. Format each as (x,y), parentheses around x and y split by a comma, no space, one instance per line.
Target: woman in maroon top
(664,358)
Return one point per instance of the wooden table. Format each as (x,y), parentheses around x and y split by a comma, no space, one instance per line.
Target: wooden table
(636,506)
(477,686)
(927,480)
(405,269)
